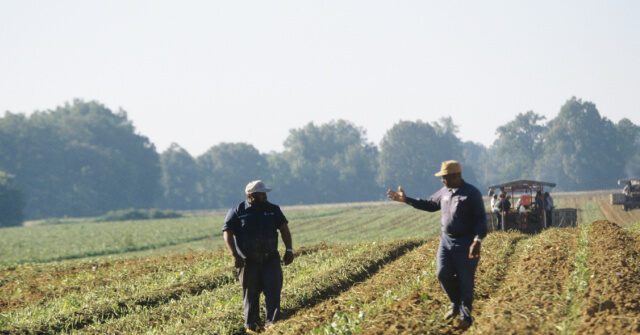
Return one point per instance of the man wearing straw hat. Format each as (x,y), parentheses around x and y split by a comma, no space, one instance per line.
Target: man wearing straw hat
(250,233)
(464,225)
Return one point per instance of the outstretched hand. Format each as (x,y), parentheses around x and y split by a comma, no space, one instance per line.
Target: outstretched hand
(397,196)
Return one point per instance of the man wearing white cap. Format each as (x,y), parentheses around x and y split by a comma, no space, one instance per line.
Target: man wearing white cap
(464,225)
(250,233)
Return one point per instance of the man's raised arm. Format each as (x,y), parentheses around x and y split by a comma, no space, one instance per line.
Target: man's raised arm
(426,205)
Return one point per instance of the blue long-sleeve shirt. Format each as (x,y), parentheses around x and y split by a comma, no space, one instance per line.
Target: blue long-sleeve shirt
(462,210)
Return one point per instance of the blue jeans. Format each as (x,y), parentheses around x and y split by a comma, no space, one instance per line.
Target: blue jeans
(456,272)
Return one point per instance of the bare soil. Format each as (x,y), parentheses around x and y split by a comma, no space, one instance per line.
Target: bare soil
(530,301)
(613,295)
(423,310)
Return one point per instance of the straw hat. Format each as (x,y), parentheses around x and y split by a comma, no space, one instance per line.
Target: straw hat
(449,167)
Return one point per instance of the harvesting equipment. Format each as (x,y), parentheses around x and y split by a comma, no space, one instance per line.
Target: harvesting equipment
(630,197)
(530,216)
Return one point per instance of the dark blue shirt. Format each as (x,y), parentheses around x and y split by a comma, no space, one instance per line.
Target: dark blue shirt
(462,210)
(255,229)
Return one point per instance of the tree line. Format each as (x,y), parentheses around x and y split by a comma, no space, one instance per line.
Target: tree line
(82,159)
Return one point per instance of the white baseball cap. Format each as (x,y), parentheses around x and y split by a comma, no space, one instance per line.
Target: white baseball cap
(256,186)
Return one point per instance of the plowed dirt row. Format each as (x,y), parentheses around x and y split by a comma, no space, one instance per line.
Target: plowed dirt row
(531,299)
(117,306)
(28,284)
(328,285)
(219,311)
(422,310)
(379,287)
(113,309)
(613,295)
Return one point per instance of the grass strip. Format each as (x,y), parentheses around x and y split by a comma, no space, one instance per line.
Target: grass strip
(79,240)
(577,283)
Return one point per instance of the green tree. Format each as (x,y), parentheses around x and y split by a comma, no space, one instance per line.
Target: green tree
(225,170)
(580,150)
(477,157)
(11,202)
(411,152)
(519,146)
(628,144)
(80,159)
(332,162)
(180,179)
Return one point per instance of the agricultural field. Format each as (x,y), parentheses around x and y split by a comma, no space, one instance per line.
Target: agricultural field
(360,268)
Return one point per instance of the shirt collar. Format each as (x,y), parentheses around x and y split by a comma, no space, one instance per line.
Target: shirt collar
(455,190)
(248,205)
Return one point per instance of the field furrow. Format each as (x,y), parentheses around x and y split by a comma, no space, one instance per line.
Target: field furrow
(346,311)
(421,311)
(612,298)
(378,276)
(80,309)
(531,300)
(27,284)
(219,311)
(616,213)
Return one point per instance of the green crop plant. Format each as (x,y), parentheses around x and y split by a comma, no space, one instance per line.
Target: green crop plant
(577,283)
(219,311)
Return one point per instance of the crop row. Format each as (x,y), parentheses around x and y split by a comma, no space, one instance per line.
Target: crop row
(403,296)
(219,311)
(28,284)
(422,310)
(79,240)
(119,289)
(309,226)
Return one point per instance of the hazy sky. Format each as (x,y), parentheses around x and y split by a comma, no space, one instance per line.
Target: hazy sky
(201,73)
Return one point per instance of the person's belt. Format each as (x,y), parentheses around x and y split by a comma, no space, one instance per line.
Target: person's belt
(457,235)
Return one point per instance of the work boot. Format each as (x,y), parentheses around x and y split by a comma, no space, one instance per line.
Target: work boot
(465,320)
(251,329)
(452,312)
(462,323)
